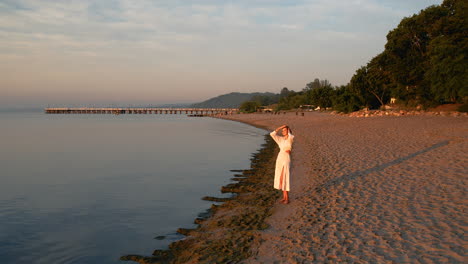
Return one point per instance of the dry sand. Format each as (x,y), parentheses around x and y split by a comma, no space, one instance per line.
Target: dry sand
(370,190)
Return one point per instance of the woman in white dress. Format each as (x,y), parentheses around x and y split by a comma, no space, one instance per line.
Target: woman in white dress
(283,161)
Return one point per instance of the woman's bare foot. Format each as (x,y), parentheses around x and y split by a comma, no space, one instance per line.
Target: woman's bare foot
(284,201)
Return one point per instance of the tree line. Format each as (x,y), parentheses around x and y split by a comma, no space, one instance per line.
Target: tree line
(424,64)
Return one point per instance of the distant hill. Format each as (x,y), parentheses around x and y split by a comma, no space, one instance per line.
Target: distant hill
(171,105)
(231,100)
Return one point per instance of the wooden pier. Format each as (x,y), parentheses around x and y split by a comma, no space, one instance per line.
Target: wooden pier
(138,110)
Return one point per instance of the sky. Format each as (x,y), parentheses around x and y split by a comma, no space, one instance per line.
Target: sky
(141,52)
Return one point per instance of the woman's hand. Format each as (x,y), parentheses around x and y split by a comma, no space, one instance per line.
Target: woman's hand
(288,151)
(279,128)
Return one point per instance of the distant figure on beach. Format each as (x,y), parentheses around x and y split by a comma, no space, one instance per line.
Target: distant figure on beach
(283,160)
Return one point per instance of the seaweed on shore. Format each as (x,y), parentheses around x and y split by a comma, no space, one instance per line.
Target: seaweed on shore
(230,230)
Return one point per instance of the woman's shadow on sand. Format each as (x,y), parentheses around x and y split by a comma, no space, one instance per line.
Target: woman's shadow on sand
(356,174)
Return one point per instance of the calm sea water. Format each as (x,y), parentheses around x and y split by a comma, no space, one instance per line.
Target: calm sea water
(91,188)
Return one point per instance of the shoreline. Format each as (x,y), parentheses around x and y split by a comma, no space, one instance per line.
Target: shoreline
(228,230)
(381,189)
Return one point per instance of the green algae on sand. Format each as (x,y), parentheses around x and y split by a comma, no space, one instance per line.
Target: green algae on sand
(227,236)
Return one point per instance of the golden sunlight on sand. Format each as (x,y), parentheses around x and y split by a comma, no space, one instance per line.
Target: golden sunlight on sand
(379,190)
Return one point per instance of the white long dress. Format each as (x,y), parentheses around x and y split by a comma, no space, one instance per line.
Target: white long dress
(283,161)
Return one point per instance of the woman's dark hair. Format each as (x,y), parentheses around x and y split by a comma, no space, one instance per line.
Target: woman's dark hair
(289,129)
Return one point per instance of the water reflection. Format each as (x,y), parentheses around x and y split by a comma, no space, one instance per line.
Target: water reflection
(90,188)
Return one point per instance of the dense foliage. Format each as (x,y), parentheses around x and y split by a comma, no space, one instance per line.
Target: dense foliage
(426,55)
(424,63)
(249,106)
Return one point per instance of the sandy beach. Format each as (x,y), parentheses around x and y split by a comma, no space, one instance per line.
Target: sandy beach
(369,190)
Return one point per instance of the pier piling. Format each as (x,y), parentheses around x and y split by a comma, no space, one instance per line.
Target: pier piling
(118,111)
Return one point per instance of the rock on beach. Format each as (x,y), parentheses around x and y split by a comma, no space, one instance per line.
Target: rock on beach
(376,113)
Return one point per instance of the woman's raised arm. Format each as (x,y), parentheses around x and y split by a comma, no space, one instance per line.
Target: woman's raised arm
(274,133)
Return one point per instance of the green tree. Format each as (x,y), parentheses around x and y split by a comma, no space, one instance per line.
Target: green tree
(249,106)
(313,85)
(321,96)
(448,76)
(318,93)
(358,86)
(379,80)
(345,100)
(448,51)
(284,92)
(426,55)
(292,100)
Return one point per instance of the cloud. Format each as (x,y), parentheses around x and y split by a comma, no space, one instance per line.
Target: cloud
(178,24)
(233,40)
(290,27)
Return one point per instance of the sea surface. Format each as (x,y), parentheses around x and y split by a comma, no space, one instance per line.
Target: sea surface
(91,188)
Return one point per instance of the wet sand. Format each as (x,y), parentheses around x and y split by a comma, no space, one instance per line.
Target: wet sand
(369,190)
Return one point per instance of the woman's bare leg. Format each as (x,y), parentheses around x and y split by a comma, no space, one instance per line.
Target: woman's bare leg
(285,197)
(281,184)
